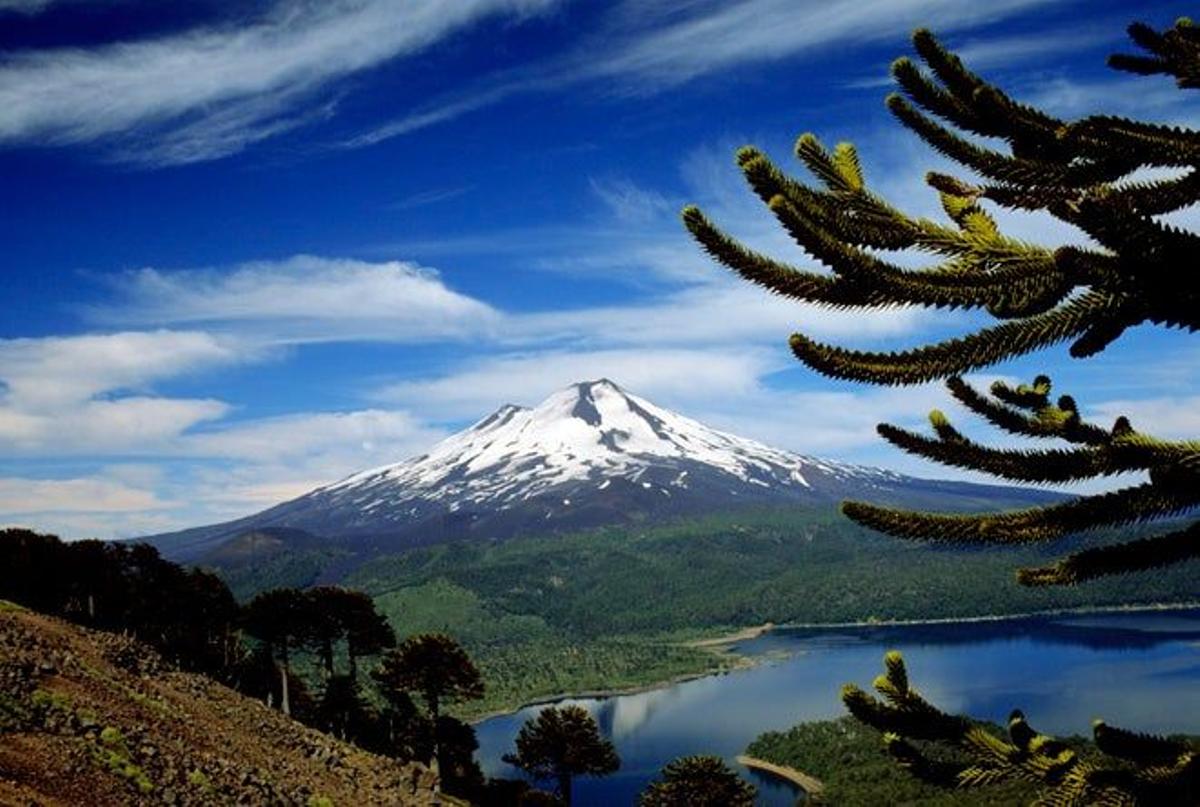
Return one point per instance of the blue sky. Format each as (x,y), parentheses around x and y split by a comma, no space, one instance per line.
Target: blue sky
(246,253)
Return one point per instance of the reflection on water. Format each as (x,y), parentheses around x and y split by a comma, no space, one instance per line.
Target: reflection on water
(1134,669)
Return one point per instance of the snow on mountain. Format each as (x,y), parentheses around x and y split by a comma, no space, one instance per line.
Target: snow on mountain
(589,455)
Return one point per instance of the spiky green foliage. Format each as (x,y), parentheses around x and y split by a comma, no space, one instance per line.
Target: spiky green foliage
(1076,171)
(562,743)
(1173,468)
(1143,769)
(698,781)
(1082,173)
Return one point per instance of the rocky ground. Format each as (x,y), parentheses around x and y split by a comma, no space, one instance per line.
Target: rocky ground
(92,718)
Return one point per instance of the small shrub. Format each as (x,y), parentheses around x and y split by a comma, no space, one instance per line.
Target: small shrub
(113,755)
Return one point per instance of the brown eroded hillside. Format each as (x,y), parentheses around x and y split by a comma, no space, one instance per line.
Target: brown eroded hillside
(95,718)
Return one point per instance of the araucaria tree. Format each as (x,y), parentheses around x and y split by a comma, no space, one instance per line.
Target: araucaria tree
(699,781)
(279,619)
(560,744)
(1139,271)
(433,666)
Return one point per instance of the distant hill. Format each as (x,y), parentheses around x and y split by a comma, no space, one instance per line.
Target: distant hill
(591,455)
(91,718)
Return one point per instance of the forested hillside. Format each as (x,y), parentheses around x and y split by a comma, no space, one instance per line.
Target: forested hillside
(614,608)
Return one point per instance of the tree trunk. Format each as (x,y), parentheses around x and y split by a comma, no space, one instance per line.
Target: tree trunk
(434,763)
(91,607)
(564,788)
(327,656)
(284,703)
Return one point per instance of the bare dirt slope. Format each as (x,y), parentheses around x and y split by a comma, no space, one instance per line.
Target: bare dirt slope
(91,718)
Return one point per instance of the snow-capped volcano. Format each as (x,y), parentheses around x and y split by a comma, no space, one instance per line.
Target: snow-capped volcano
(594,432)
(589,455)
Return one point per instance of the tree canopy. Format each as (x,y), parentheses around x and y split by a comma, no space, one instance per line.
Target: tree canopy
(698,781)
(562,743)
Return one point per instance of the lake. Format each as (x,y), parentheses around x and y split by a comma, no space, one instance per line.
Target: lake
(1135,669)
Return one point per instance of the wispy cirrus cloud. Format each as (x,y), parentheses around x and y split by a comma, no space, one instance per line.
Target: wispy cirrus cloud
(648,48)
(24,6)
(432,196)
(208,92)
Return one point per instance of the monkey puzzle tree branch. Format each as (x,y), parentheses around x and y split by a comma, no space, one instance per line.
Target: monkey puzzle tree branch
(1169,773)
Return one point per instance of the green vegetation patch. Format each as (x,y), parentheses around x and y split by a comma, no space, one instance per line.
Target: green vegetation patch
(849,759)
(523,658)
(54,701)
(297,569)
(536,670)
(113,755)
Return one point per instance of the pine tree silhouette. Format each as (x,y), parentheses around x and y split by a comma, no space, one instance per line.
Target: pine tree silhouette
(698,781)
(435,667)
(560,744)
(1080,173)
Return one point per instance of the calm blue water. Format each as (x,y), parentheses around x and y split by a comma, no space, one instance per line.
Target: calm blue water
(1136,670)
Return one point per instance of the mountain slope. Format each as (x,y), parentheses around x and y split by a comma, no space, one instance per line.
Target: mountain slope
(589,455)
(95,718)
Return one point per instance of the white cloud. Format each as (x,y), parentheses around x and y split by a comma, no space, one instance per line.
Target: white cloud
(717,313)
(661,374)
(134,425)
(78,394)
(432,196)
(329,443)
(305,298)
(1118,94)
(1176,417)
(729,34)
(42,374)
(23,497)
(24,6)
(630,202)
(1036,46)
(211,90)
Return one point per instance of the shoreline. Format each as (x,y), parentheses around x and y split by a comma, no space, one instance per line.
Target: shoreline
(741,635)
(1080,610)
(740,663)
(719,645)
(811,785)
